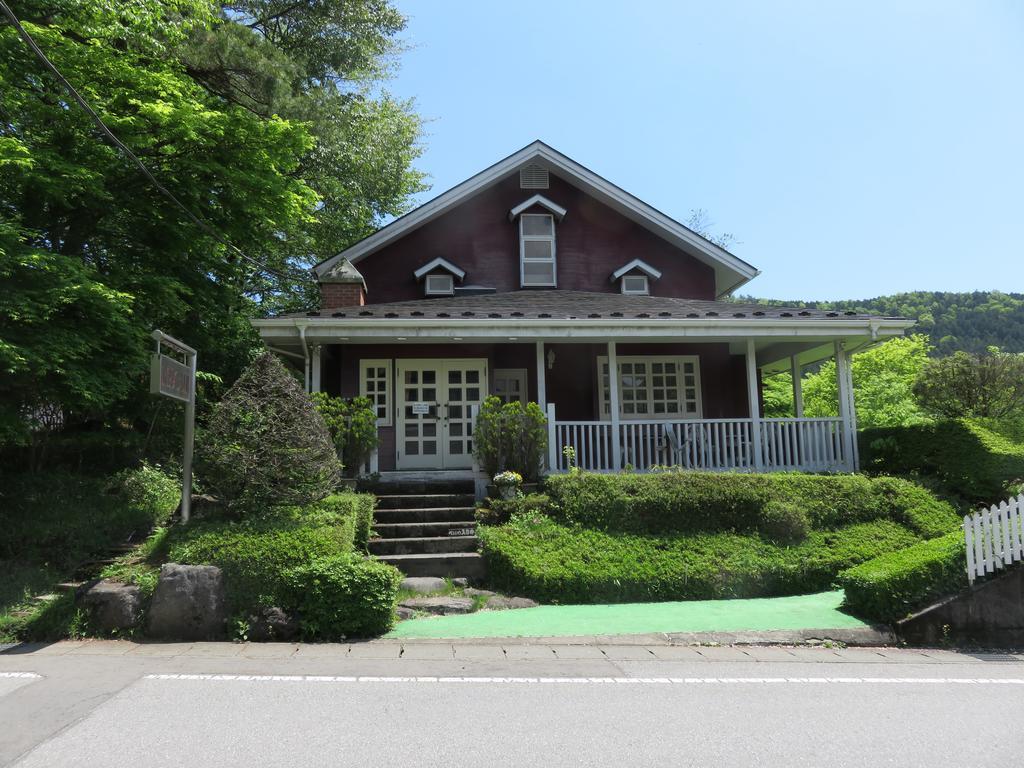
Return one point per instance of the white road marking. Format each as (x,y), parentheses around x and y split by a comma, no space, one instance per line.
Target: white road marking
(587,680)
(19,674)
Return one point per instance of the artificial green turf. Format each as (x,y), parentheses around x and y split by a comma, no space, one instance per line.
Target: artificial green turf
(817,611)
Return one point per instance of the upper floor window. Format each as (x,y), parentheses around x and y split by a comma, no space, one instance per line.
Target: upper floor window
(439,285)
(635,284)
(537,250)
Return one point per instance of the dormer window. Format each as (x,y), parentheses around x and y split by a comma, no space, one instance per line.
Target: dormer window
(537,241)
(439,285)
(635,284)
(439,276)
(635,277)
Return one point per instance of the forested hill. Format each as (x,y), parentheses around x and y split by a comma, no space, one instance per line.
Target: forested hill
(954,321)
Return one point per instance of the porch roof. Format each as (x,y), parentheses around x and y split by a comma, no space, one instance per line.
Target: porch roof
(556,304)
(553,316)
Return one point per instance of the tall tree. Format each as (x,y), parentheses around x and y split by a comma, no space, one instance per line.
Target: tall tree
(312,161)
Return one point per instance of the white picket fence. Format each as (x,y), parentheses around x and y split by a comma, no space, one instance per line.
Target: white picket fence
(994,537)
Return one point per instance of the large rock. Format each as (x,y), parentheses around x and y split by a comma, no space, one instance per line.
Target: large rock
(113,606)
(443,606)
(189,603)
(502,603)
(272,624)
(423,584)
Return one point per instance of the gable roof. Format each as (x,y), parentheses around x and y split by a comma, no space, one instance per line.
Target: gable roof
(439,263)
(643,266)
(730,271)
(558,211)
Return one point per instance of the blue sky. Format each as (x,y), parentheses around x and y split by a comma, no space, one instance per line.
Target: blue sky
(854,149)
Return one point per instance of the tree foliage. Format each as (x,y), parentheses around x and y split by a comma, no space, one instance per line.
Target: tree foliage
(965,385)
(352,424)
(266,444)
(883,381)
(971,322)
(265,118)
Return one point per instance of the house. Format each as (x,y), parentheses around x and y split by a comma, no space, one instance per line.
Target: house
(535,279)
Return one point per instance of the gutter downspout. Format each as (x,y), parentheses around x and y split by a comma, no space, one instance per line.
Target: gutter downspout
(305,355)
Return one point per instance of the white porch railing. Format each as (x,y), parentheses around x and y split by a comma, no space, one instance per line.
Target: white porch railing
(994,537)
(813,445)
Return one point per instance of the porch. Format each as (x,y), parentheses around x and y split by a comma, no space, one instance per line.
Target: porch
(685,392)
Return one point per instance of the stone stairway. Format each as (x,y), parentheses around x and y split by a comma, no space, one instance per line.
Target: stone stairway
(427,529)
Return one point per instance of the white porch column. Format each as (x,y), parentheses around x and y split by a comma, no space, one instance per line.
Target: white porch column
(798,387)
(844,382)
(314,384)
(613,404)
(754,404)
(554,449)
(542,394)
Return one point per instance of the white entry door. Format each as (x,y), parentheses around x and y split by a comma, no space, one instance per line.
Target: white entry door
(435,429)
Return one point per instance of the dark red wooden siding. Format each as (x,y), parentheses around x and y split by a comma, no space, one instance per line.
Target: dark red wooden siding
(591,243)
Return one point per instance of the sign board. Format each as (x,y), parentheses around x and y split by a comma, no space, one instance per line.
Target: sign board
(170,378)
(421,409)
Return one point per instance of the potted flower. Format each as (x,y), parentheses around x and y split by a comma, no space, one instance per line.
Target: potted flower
(508,484)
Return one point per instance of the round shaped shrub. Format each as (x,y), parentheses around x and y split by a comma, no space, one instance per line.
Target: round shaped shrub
(783,522)
(265,444)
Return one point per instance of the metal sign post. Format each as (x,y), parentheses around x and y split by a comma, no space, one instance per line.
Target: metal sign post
(172,378)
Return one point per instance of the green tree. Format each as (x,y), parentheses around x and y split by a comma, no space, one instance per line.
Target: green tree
(312,162)
(966,385)
(883,381)
(266,444)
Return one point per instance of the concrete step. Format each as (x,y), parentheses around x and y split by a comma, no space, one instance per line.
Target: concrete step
(428,500)
(414,530)
(467,565)
(425,515)
(414,487)
(423,545)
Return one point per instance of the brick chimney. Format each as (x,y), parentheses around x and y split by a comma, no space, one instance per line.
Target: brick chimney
(341,286)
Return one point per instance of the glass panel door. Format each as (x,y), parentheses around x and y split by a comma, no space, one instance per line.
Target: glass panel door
(435,427)
(419,427)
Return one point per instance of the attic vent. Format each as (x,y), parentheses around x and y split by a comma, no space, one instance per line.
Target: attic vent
(533,177)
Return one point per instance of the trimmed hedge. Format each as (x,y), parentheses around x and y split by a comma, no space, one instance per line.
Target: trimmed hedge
(891,586)
(538,557)
(979,460)
(700,502)
(254,552)
(344,596)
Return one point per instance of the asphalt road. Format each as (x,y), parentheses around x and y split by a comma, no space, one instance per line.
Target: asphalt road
(118,704)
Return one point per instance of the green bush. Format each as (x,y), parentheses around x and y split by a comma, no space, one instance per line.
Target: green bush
(501,510)
(783,522)
(916,507)
(510,436)
(344,596)
(265,444)
(61,519)
(255,551)
(692,502)
(978,460)
(894,584)
(538,557)
(352,424)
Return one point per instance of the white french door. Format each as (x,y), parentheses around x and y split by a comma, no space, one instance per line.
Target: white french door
(435,428)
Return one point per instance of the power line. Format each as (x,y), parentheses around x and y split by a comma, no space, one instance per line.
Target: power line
(23,33)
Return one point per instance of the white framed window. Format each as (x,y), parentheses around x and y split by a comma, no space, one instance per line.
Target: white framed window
(635,284)
(660,387)
(509,385)
(375,385)
(537,250)
(439,285)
